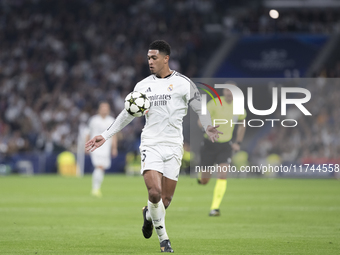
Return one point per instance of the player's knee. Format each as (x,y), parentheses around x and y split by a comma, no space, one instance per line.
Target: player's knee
(204,181)
(155,195)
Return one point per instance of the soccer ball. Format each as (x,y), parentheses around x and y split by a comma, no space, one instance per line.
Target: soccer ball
(137,104)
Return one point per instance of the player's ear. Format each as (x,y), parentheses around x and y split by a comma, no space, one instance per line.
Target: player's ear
(166,59)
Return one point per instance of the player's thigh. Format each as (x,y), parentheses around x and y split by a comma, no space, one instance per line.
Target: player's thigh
(103,162)
(153,180)
(208,154)
(152,170)
(223,159)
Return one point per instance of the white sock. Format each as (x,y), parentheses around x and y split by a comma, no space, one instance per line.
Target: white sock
(148,215)
(97,178)
(157,212)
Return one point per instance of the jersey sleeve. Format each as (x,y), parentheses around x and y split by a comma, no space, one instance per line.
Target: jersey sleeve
(139,86)
(194,100)
(122,120)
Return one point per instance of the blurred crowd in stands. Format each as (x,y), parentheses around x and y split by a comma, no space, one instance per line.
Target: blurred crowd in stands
(59,59)
(302,20)
(316,138)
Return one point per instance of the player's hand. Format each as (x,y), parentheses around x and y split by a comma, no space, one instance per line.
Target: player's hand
(236,147)
(94,143)
(212,132)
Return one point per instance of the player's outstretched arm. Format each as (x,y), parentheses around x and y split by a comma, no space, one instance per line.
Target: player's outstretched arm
(212,133)
(94,143)
(123,119)
(204,119)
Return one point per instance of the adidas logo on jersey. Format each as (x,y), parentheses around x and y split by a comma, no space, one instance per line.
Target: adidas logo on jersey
(148,90)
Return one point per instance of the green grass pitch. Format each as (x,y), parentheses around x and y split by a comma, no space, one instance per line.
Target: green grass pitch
(56,215)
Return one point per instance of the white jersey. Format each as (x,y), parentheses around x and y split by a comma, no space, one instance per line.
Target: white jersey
(97,125)
(169,98)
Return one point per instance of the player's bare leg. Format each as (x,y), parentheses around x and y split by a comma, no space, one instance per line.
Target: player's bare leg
(156,209)
(168,190)
(205,178)
(97,180)
(219,191)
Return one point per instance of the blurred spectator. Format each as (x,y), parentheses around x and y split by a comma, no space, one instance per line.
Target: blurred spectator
(316,138)
(59,58)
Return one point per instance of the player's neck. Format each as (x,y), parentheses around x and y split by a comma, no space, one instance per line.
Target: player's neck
(164,73)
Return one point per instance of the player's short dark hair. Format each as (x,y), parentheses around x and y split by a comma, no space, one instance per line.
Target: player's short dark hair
(161,46)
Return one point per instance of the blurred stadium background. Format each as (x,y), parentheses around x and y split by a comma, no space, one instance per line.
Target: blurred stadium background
(58,59)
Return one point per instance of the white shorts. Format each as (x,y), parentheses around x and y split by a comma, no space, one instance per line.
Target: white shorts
(102,161)
(164,159)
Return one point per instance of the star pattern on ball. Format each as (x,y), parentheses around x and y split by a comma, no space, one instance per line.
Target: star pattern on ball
(137,104)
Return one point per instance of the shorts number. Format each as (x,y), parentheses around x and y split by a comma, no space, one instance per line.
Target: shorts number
(143,155)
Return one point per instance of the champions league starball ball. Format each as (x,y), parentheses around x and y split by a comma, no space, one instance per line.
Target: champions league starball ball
(137,104)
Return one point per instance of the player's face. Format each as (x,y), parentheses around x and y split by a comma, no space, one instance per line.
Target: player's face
(157,61)
(227,95)
(104,109)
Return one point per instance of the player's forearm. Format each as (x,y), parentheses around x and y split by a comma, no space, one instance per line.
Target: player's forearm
(205,120)
(123,119)
(114,144)
(199,124)
(241,130)
(114,141)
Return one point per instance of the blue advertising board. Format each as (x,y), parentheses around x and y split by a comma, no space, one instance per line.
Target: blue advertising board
(271,55)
